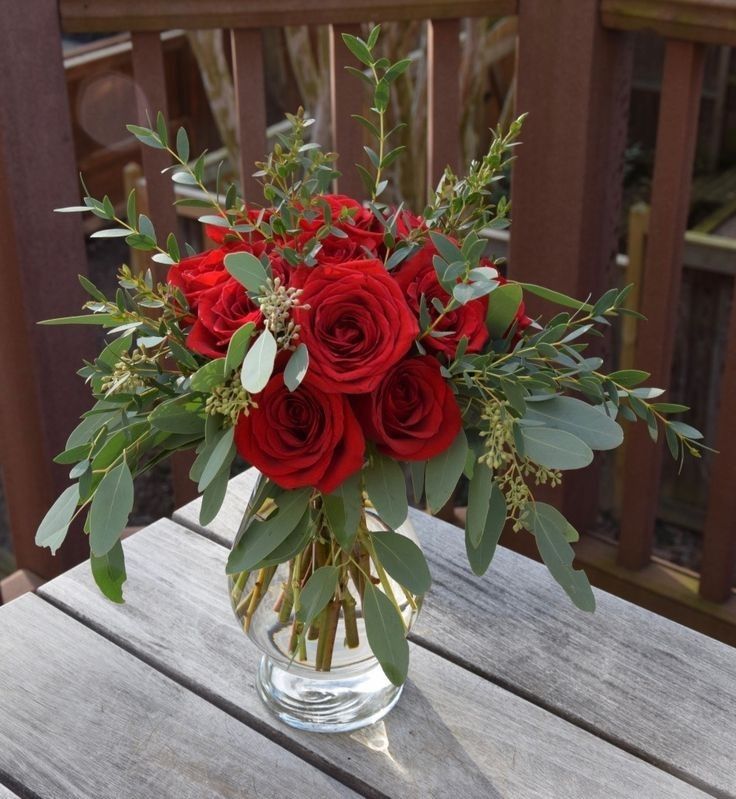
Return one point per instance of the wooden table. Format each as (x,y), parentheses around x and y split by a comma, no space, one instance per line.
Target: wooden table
(512,692)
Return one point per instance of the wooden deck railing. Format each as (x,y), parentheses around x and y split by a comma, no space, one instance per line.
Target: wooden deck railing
(574,76)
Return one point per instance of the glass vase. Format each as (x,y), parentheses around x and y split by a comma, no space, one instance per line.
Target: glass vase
(324,678)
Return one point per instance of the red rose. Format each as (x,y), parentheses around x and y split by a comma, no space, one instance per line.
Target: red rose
(301,438)
(199,273)
(417,277)
(413,414)
(221,312)
(357,327)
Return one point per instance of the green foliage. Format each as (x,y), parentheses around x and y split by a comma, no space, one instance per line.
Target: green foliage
(386,634)
(403,560)
(386,488)
(443,472)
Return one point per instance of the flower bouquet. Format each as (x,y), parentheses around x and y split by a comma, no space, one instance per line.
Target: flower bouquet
(341,348)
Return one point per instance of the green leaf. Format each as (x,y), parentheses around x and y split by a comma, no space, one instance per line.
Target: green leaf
(296,368)
(596,429)
(108,571)
(247,270)
(210,375)
(382,95)
(480,556)
(403,560)
(85,431)
(397,69)
(555,449)
(261,537)
(447,250)
(358,48)
(686,431)
(479,497)
(110,233)
(502,308)
(73,455)
(111,507)
(317,593)
(443,472)
(556,297)
(259,362)
(344,508)
(629,377)
(182,144)
(386,634)
(179,415)
(552,541)
(238,347)
(417,470)
(55,524)
(104,319)
(386,487)
(220,456)
(292,545)
(214,496)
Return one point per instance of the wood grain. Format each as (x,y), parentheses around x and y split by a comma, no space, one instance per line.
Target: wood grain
(452,728)
(641,681)
(81,718)
(107,15)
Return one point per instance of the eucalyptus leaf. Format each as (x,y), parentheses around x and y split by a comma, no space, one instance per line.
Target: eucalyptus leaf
(292,545)
(317,593)
(403,560)
(344,508)
(220,456)
(552,535)
(296,368)
(479,497)
(481,555)
(502,309)
(214,496)
(209,376)
(555,449)
(261,537)
(596,429)
(259,362)
(444,471)
(238,347)
(55,524)
(108,571)
(386,487)
(111,507)
(247,270)
(386,634)
(178,415)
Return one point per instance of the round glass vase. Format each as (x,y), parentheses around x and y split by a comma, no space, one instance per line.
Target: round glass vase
(324,678)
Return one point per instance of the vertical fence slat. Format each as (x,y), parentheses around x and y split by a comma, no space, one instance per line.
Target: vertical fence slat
(42,252)
(574,77)
(150,78)
(443,98)
(347,95)
(719,535)
(250,94)
(675,150)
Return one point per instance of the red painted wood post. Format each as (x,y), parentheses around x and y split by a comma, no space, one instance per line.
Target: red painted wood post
(250,93)
(347,97)
(673,167)
(443,98)
(42,252)
(573,79)
(718,569)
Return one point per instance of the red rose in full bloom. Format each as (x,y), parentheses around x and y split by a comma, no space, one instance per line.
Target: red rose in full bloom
(221,312)
(413,414)
(357,327)
(416,276)
(301,438)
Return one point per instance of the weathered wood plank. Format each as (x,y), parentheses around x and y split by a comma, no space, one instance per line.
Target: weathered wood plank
(177,617)
(648,684)
(711,21)
(79,717)
(107,15)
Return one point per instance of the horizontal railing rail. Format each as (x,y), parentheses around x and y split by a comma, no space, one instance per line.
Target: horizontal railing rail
(156,15)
